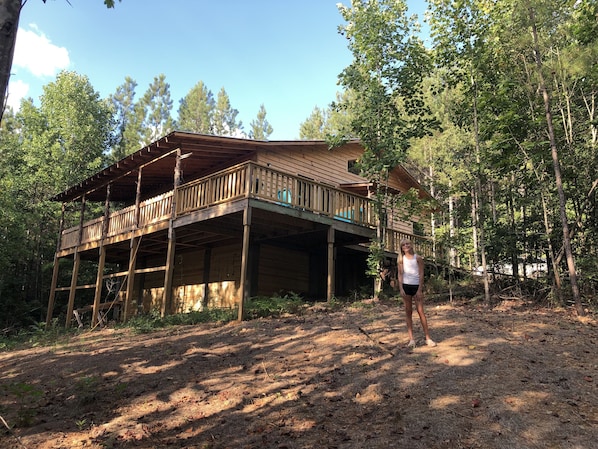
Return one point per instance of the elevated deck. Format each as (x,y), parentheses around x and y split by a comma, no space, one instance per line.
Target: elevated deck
(246,205)
(225,193)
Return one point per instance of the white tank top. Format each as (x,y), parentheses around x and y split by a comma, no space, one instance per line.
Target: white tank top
(410,271)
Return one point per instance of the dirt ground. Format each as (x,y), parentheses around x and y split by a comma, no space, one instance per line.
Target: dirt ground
(511,376)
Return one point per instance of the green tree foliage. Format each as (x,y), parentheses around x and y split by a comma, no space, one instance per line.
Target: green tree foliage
(389,64)
(76,131)
(387,109)
(196,110)
(13,262)
(313,127)
(260,127)
(44,150)
(156,106)
(331,123)
(200,113)
(225,117)
(486,52)
(127,127)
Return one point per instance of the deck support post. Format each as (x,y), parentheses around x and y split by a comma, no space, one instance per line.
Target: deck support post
(243,290)
(330,270)
(55,268)
(52,297)
(73,289)
(130,278)
(76,264)
(168,274)
(99,283)
(207,261)
(135,242)
(97,299)
(170,252)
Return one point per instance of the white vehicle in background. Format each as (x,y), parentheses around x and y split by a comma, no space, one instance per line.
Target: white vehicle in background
(533,270)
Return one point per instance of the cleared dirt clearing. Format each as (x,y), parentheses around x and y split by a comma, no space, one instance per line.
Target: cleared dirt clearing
(511,376)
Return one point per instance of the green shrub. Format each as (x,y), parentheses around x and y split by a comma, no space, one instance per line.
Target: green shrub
(264,306)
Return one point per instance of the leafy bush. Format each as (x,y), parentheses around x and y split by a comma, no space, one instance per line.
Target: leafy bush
(263,306)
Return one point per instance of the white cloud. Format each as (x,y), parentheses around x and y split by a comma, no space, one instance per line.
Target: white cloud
(16,90)
(37,54)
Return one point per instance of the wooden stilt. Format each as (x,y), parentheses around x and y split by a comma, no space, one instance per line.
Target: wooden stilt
(330,279)
(135,241)
(207,261)
(99,283)
(73,289)
(55,269)
(168,274)
(52,297)
(167,296)
(243,291)
(97,299)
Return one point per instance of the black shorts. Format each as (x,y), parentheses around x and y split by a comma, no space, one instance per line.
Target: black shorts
(410,290)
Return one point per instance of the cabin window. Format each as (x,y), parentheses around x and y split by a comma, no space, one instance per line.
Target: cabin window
(353,167)
(418,228)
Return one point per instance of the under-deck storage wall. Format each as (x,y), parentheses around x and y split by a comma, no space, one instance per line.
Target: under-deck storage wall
(282,270)
(189,280)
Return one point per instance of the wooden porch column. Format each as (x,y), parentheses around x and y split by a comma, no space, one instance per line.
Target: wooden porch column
(52,297)
(76,263)
(99,283)
(54,282)
(100,277)
(135,242)
(243,291)
(330,280)
(73,289)
(167,296)
(130,278)
(207,263)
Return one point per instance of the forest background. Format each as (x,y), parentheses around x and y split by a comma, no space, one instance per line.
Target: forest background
(496,118)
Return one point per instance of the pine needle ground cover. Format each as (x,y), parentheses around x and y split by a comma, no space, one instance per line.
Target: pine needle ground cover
(508,376)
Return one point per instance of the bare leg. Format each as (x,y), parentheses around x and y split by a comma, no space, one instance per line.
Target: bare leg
(419,304)
(408,301)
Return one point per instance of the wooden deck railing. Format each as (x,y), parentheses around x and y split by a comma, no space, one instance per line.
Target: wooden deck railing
(250,180)
(424,246)
(247,180)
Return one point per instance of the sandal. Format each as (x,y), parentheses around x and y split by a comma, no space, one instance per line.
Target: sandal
(430,342)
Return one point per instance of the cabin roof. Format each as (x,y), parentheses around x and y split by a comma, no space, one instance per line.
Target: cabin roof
(202,154)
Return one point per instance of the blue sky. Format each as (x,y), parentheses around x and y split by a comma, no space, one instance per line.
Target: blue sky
(281,53)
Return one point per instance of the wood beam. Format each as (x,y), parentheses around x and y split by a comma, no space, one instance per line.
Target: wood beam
(97,299)
(73,289)
(243,291)
(55,268)
(99,282)
(135,241)
(207,262)
(330,270)
(170,253)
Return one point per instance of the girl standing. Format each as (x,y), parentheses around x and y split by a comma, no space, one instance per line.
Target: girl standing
(411,285)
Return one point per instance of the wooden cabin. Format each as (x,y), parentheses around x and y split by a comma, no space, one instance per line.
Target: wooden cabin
(194,221)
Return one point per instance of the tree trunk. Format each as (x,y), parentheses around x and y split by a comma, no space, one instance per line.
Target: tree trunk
(557,169)
(453,260)
(10,11)
(478,217)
